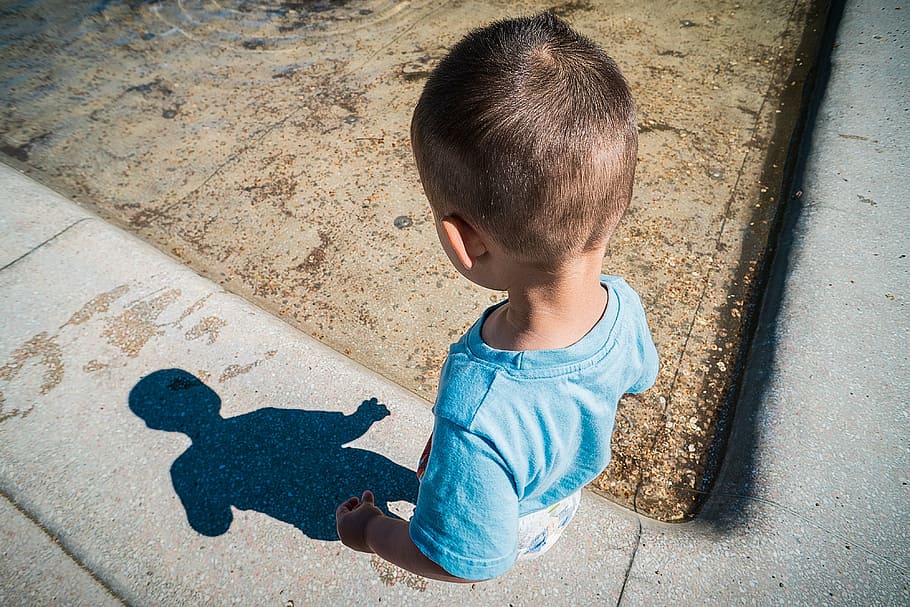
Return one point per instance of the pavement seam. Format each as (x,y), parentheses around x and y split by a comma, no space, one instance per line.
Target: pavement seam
(59,544)
(717,241)
(38,246)
(628,573)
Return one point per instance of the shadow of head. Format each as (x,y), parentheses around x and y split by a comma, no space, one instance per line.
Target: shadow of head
(174,401)
(291,464)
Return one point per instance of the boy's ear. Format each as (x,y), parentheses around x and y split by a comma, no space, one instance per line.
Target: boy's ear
(465,242)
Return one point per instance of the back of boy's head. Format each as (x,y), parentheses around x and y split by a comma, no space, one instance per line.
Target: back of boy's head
(527,130)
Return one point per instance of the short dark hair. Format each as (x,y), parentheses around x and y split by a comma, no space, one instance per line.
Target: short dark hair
(527,128)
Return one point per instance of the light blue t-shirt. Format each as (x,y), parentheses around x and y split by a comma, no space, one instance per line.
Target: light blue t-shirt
(516,432)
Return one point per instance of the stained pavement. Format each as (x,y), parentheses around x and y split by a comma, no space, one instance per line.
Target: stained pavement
(266,147)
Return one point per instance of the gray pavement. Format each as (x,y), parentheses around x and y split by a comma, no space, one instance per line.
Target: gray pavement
(102,501)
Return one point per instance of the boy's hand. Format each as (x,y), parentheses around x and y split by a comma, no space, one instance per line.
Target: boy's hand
(373,409)
(351,519)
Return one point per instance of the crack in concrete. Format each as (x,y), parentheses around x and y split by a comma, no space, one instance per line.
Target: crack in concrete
(707,280)
(625,579)
(59,543)
(36,247)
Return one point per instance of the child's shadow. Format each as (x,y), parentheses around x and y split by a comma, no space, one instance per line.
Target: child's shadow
(286,463)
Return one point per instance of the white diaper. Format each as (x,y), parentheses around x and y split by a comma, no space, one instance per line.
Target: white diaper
(538,531)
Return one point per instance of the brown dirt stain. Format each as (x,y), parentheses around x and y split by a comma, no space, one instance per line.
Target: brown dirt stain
(390,575)
(132,329)
(45,349)
(209,327)
(98,305)
(232,371)
(94,365)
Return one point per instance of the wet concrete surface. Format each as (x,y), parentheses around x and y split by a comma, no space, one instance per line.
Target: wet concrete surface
(266,145)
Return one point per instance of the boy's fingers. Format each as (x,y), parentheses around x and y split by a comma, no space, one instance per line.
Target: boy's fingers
(348,505)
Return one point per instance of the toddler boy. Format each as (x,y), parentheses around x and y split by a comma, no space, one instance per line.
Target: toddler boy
(525,141)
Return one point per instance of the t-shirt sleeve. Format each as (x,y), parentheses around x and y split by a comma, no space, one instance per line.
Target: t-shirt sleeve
(647,352)
(466,519)
(650,366)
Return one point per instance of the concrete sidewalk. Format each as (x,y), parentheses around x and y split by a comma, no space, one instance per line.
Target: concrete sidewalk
(104,502)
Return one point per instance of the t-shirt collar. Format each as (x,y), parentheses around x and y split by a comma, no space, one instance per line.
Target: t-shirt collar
(589,345)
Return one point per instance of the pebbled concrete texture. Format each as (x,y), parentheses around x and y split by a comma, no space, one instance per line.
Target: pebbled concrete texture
(226,497)
(35,570)
(35,218)
(214,505)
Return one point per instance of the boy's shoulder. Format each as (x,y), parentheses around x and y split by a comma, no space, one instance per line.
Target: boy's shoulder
(463,386)
(473,374)
(619,284)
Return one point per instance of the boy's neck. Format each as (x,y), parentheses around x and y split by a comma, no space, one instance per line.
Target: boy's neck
(547,311)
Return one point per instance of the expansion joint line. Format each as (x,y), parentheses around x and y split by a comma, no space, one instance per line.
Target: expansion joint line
(38,246)
(59,543)
(720,232)
(625,579)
